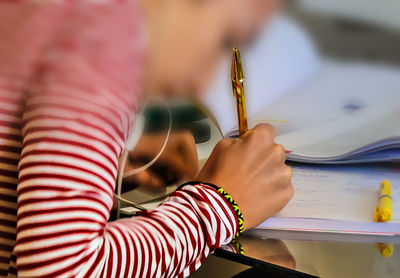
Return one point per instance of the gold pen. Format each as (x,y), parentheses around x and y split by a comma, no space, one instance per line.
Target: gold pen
(237,78)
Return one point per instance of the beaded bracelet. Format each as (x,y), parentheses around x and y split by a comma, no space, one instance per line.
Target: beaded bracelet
(230,200)
(238,247)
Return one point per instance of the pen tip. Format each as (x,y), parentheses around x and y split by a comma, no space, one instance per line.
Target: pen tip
(237,71)
(236,55)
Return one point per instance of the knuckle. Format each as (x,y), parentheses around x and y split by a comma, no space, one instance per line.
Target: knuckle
(291,191)
(224,143)
(186,136)
(280,152)
(265,131)
(288,195)
(288,172)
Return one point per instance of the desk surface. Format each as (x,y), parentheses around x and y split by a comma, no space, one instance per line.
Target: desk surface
(346,257)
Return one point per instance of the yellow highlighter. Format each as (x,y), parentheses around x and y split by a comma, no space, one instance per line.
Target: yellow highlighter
(383,212)
(386,249)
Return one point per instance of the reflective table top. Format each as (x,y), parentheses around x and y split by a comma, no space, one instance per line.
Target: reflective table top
(322,255)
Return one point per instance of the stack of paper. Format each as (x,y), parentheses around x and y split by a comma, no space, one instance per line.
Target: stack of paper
(338,199)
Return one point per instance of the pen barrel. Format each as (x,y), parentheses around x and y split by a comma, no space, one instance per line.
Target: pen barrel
(241,106)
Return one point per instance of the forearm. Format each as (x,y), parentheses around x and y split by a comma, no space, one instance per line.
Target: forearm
(176,237)
(70,236)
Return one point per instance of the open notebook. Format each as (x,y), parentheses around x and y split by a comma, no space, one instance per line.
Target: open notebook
(348,113)
(338,199)
(345,113)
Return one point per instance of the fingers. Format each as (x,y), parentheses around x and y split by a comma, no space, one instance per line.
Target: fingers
(150,182)
(178,161)
(265,131)
(283,177)
(262,132)
(188,153)
(146,179)
(224,144)
(279,153)
(285,187)
(258,142)
(174,168)
(180,157)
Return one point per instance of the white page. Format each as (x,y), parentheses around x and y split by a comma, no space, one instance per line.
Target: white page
(341,193)
(374,127)
(330,226)
(339,89)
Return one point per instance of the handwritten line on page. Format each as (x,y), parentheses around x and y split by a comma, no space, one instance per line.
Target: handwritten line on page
(338,198)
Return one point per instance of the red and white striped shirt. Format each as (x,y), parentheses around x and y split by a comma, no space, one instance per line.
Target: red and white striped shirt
(69,81)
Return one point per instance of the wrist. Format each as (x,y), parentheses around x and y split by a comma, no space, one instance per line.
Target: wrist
(228,199)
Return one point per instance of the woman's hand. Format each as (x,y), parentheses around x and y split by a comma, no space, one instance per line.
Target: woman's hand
(178,162)
(252,170)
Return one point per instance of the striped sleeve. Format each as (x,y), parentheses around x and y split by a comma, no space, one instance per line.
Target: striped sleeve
(76,119)
(10,146)
(18,49)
